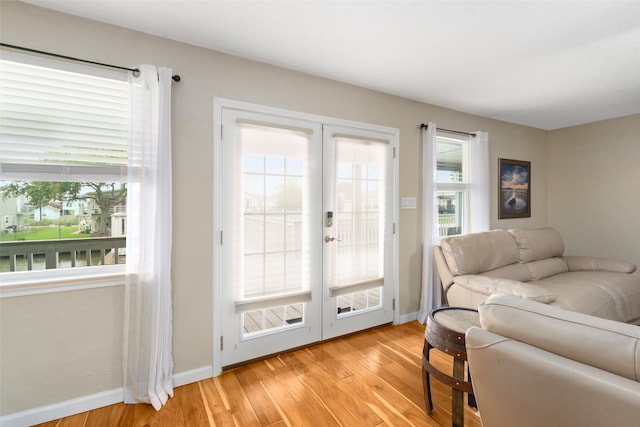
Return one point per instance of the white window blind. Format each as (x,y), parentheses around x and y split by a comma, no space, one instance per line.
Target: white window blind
(273,224)
(359,199)
(62,121)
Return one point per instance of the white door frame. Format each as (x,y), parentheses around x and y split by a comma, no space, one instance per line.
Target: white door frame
(218,105)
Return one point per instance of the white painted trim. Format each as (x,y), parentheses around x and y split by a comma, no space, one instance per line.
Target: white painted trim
(89,402)
(216,273)
(315,118)
(223,103)
(23,283)
(62,409)
(396,222)
(406,318)
(192,376)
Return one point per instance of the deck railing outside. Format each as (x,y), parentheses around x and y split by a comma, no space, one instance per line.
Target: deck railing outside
(48,254)
(448,225)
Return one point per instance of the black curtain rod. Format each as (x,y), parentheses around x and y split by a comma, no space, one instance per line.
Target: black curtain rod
(425,126)
(135,71)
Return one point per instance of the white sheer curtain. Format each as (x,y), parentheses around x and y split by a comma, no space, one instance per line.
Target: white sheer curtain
(479,209)
(148,362)
(479,182)
(431,289)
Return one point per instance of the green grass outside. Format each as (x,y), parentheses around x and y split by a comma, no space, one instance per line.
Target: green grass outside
(46,233)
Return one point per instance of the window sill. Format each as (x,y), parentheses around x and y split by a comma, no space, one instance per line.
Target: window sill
(23,283)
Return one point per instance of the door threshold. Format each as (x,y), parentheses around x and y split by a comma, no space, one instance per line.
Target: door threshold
(291,350)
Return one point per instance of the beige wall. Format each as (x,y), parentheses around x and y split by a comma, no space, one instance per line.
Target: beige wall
(59,346)
(86,325)
(594,188)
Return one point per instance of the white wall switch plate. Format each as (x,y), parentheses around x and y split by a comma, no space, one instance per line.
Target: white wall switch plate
(408,203)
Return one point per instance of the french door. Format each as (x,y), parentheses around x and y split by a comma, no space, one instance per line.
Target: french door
(358,230)
(306,232)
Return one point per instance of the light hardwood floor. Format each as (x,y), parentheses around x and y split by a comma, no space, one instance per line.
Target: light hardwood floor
(367,379)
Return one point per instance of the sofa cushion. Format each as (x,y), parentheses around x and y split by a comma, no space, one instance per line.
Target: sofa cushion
(478,252)
(489,285)
(546,267)
(515,271)
(605,344)
(539,243)
(603,294)
(590,263)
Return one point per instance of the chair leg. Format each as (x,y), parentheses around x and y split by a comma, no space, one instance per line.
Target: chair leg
(426,381)
(457,396)
(471,398)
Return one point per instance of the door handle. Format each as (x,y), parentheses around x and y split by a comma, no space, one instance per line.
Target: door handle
(329,239)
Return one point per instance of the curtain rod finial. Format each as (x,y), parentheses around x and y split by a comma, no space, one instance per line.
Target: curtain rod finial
(176,78)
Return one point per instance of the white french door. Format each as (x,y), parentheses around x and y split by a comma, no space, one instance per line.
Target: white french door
(306,232)
(358,250)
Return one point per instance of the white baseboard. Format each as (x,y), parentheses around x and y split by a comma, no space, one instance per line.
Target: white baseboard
(66,408)
(406,318)
(62,409)
(192,376)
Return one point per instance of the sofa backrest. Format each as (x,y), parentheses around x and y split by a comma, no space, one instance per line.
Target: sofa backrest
(516,254)
(479,252)
(538,243)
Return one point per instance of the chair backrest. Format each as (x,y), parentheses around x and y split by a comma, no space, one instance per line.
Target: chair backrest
(537,365)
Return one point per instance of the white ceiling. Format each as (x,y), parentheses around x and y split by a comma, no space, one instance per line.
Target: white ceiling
(546,64)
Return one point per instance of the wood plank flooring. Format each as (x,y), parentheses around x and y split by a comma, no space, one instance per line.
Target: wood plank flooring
(368,379)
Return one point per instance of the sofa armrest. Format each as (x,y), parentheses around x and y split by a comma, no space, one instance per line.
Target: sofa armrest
(590,263)
(490,285)
(441,267)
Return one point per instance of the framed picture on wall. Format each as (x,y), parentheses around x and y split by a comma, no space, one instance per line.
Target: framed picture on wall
(514,192)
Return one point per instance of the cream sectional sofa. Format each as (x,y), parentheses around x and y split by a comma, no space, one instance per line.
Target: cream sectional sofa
(530,263)
(535,365)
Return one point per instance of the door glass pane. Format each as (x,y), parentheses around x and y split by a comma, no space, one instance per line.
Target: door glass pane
(359,202)
(357,301)
(274,219)
(259,322)
(357,254)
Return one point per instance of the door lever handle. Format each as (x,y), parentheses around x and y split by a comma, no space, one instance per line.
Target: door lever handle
(329,239)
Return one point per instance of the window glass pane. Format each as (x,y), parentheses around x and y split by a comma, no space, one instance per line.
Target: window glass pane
(85,221)
(294,167)
(275,193)
(450,159)
(451,212)
(275,165)
(253,164)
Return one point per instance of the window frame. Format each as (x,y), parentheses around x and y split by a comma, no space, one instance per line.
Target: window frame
(22,283)
(463,186)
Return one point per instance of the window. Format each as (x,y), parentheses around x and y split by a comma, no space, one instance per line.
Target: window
(452,184)
(63,164)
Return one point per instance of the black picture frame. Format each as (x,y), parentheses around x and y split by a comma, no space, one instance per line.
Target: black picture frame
(514,189)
